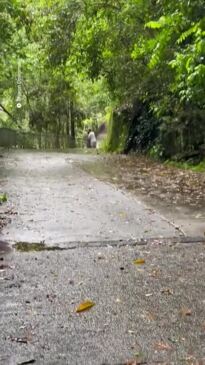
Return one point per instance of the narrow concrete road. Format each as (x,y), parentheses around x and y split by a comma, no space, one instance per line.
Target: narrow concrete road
(150,313)
(57,202)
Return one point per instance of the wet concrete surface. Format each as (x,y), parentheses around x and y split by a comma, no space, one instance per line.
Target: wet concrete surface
(151,313)
(58,202)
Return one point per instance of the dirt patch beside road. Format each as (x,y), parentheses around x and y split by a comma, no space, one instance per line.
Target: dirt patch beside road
(178,194)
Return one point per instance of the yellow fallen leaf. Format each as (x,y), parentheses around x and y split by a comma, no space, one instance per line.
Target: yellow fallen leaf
(84,306)
(139,261)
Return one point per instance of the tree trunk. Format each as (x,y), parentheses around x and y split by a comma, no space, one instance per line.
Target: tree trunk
(72,124)
(57,141)
(68,123)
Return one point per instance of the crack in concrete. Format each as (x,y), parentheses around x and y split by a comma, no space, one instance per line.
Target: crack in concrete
(106,243)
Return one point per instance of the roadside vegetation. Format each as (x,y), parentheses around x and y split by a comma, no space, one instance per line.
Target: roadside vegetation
(137,66)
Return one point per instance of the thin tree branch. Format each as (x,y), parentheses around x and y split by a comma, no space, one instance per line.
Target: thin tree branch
(6,111)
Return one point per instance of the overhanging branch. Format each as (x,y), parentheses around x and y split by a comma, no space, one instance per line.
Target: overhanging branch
(6,111)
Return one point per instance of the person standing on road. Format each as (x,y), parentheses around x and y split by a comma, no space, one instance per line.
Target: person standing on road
(91,141)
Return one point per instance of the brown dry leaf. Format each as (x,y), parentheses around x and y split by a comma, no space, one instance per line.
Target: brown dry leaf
(151,316)
(139,261)
(85,306)
(185,312)
(163,346)
(167,291)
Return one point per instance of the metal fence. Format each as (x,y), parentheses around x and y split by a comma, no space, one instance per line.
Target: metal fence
(11,138)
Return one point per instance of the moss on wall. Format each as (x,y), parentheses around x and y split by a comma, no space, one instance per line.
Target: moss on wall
(118,127)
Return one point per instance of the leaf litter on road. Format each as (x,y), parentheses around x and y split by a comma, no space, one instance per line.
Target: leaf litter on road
(166,184)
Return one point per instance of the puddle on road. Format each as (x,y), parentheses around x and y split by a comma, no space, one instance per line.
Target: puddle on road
(35,246)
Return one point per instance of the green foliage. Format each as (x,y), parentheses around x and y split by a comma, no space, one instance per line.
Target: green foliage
(187,166)
(81,57)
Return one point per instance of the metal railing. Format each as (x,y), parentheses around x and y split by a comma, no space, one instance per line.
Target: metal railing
(10,138)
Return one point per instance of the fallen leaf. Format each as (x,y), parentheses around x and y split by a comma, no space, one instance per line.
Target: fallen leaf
(139,261)
(85,306)
(185,312)
(167,291)
(151,316)
(163,346)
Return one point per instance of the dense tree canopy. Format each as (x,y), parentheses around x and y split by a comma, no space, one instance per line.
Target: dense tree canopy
(79,59)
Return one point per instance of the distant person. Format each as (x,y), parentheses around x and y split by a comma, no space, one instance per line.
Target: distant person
(91,140)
